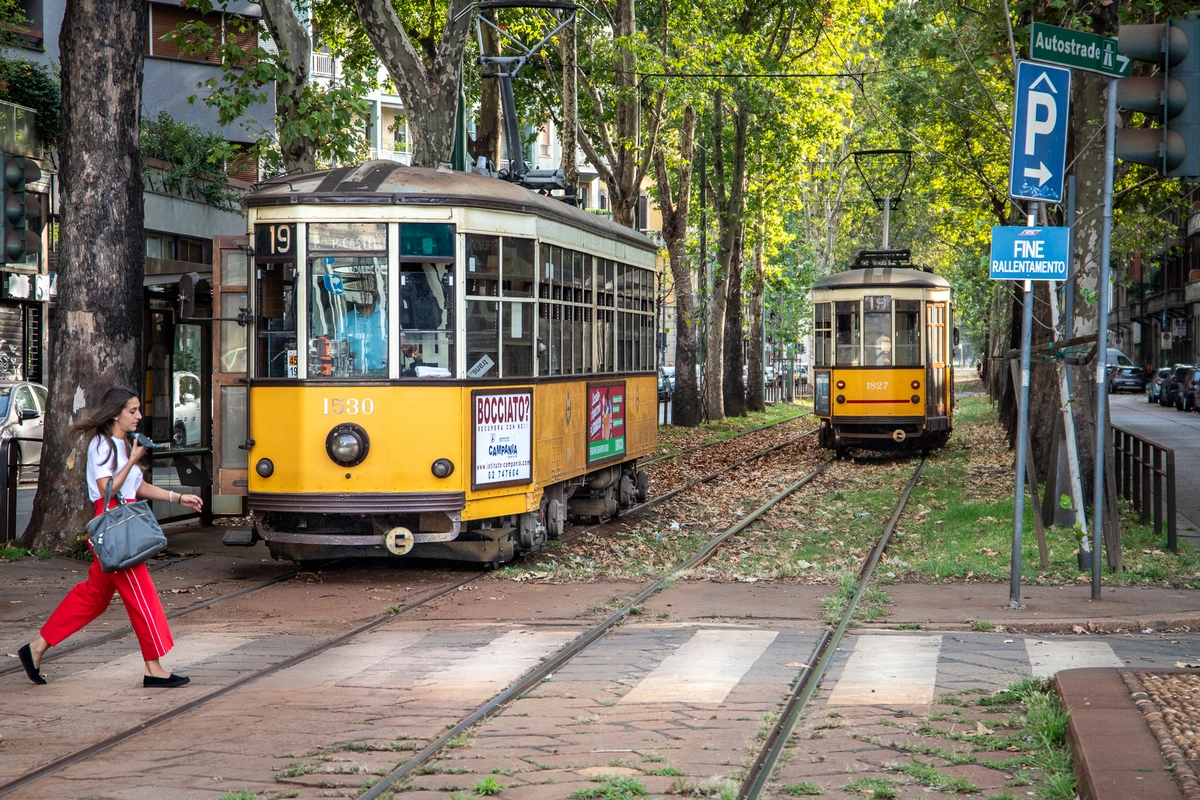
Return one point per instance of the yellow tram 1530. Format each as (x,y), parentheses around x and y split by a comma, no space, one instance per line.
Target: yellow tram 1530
(882,341)
(441,365)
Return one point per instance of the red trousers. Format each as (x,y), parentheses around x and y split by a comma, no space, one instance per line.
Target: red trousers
(89,599)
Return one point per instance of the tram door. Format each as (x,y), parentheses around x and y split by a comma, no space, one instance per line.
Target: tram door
(231,279)
(935,364)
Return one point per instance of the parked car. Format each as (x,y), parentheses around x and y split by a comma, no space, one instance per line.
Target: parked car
(665,387)
(22,414)
(1155,386)
(1131,378)
(185,428)
(1171,388)
(1185,398)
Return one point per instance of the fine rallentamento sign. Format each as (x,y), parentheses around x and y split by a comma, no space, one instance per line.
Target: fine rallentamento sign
(1069,48)
(1038,254)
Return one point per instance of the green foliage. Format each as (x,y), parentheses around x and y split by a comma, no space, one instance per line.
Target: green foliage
(329,115)
(612,787)
(876,788)
(197,159)
(11,552)
(803,789)
(34,86)
(488,786)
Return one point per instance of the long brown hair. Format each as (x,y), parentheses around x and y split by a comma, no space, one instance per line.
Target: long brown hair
(99,422)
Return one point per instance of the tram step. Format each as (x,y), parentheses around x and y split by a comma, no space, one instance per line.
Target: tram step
(238,537)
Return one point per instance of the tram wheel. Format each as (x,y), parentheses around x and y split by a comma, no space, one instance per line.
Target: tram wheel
(839,453)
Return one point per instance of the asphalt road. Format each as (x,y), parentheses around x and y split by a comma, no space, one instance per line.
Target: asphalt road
(1170,428)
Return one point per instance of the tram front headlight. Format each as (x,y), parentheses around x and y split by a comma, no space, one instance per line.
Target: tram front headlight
(347,444)
(442,468)
(265,468)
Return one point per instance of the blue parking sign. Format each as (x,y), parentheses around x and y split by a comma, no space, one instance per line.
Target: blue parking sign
(1038,254)
(1039,141)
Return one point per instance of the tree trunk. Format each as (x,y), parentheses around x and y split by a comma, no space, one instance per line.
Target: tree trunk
(735,356)
(685,404)
(755,401)
(98,324)
(295,44)
(429,90)
(486,141)
(714,396)
(570,102)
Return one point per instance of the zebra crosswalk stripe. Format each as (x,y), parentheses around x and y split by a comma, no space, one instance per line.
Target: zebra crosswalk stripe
(704,670)
(888,670)
(1048,656)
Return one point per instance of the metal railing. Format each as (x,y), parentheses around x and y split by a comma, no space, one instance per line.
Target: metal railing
(1144,472)
(10,458)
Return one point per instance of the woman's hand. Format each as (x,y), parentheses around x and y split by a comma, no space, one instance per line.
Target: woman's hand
(136,453)
(192,501)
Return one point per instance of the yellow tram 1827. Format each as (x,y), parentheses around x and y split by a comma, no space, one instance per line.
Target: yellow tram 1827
(441,365)
(882,341)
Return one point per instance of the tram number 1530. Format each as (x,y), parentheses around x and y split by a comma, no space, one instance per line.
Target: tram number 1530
(349,405)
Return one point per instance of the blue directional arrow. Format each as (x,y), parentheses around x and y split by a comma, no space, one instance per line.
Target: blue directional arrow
(1039,141)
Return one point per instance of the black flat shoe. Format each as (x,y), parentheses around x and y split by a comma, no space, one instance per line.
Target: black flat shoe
(34,674)
(149,681)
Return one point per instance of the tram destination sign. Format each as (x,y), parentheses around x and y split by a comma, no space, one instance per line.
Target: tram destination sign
(1068,48)
(1036,254)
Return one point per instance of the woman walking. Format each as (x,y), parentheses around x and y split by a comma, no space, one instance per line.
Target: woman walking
(109,459)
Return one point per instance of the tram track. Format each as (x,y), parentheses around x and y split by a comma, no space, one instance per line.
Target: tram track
(523,684)
(676,453)
(581,643)
(758,775)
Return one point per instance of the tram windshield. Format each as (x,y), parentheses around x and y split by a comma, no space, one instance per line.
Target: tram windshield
(348,301)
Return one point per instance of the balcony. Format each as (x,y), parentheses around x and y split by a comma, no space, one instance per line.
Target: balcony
(323,65)
(386,154)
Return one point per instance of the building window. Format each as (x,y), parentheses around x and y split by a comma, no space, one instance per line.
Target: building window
(227,29)
(399,129)
(159,246)
(544,141)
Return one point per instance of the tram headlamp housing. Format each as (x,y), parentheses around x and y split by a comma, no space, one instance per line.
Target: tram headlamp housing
(442,468)
(916,384)
(348,444)
(915,399)
(841,384)
(265,468)
(841,398)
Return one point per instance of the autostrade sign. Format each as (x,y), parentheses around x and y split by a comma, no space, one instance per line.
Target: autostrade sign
(1038,254)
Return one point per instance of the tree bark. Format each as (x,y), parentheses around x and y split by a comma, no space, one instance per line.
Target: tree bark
(755,401)
(735,356)
(486,141)
(295,49)
(686,400)
(429,90)
(98,325)
(730,203)
(570,100)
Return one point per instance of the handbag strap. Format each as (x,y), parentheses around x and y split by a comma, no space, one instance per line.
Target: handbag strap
(113,479)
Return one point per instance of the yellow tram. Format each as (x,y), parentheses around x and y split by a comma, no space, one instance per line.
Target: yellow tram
(440,365)
(883,345)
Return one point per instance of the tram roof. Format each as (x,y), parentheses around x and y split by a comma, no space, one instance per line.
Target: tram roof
(891,277)
(393,183)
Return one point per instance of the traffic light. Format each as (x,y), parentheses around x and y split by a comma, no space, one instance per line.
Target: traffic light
(20,238)
(1173,96)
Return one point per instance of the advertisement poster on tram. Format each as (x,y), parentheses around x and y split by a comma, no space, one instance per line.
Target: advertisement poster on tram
(606,421)
(502,435)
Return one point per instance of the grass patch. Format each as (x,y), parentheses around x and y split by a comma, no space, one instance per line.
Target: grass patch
(928,775)
(296,769)
(612,787)
(489,786)
(982,626)
(665,771)
(803,789)
(871,606)
(13,553)
(875,788)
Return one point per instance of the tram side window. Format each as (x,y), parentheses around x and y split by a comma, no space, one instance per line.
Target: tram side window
(276,304)
(908,333)
(517,267)
(849,333)
(426,320)
(483,265)
(822,336)
(483,340)
(347,300)
(877,330)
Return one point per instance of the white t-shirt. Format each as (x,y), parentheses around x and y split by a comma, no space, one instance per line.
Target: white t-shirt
(100,465)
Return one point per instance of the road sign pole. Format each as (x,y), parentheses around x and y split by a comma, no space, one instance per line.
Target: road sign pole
(1014,586)
(1110,135)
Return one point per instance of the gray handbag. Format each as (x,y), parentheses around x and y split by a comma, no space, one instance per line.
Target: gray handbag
(125,536)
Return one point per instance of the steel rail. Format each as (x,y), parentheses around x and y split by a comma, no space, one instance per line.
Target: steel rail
(684,451)
(535,675)
(810,678)
(117,738)
(58,652)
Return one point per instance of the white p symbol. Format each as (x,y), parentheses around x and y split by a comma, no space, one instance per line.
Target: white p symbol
(1034,126)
